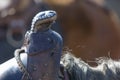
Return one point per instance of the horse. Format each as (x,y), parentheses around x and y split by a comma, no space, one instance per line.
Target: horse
(89,29)
(77,69)
(97,26)
(40,57)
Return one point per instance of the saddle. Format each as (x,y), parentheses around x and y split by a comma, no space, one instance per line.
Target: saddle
(39,57)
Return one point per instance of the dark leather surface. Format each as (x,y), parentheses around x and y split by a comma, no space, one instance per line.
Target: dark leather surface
(44,53)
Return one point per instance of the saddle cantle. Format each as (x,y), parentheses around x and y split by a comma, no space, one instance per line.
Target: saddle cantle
(42,51)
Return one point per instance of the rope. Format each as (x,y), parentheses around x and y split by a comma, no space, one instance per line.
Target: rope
(21,66)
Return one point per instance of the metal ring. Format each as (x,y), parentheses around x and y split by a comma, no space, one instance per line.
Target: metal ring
(11,41)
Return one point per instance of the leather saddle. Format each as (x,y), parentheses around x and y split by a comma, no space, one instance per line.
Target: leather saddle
(39,57)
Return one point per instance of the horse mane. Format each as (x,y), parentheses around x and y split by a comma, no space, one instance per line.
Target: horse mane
(77,69)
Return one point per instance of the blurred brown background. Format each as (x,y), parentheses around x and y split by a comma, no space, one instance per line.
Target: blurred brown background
(90,28)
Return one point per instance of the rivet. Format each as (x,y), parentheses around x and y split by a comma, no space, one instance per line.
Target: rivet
(39,79)
(46,74)
(34,68)
(46,64)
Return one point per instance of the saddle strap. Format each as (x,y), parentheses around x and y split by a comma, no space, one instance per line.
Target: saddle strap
(26,75)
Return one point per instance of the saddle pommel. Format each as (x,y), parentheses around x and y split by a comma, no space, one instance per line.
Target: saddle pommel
(44,47)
